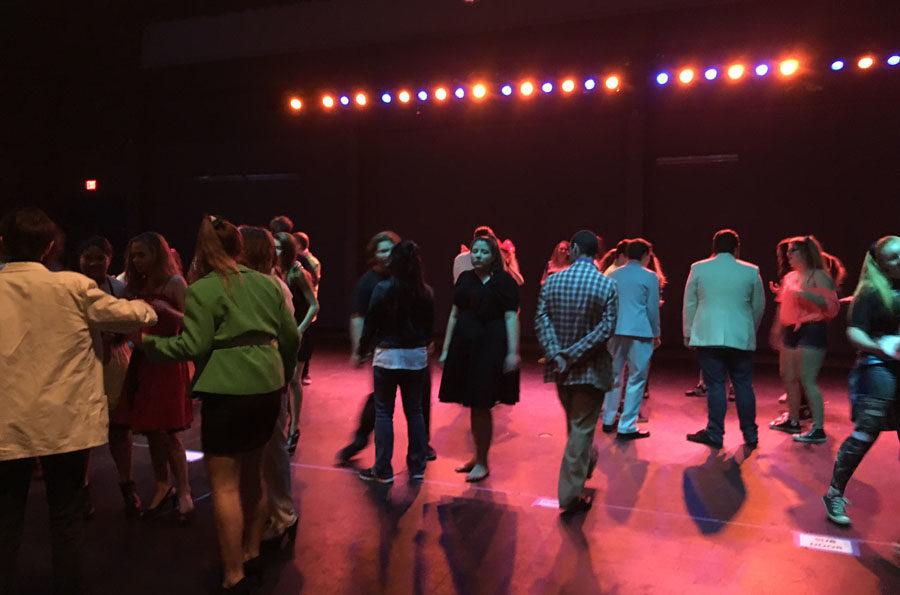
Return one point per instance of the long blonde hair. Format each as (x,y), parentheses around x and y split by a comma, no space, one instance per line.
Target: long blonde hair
(873,277)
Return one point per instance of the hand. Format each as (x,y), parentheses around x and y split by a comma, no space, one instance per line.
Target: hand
(656,342)
(511,362)
(442,359)
(560,363)
(774,287)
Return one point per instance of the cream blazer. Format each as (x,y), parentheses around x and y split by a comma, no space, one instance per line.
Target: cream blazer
(51,372)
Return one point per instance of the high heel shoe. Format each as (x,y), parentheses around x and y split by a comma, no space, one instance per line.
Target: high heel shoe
(293,439)
(184,517)
(253,570)
(281,542)
(166,500)
(242,587)
(132,501)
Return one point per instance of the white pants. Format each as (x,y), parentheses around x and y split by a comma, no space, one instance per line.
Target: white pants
(636,352)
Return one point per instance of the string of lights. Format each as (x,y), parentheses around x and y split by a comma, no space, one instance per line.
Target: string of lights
(527,88)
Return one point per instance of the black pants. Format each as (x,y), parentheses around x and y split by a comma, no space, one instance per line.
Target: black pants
(877,393)
(367,417)
(64,480)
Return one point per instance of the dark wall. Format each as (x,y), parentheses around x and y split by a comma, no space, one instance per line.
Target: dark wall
(817,154)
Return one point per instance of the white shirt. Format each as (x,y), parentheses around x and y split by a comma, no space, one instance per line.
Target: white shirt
(51,375)
(415,358)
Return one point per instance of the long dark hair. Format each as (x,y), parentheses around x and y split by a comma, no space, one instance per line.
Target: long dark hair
(406,269)
(164,266)
(285,260)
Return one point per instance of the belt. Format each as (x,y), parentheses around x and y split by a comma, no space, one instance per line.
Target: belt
(247,340)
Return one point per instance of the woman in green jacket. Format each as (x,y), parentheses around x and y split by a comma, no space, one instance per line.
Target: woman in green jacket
(243,339)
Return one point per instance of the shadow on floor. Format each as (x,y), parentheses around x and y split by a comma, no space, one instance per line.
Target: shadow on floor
(714,492)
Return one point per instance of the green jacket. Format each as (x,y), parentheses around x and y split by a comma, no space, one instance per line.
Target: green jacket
(225,332)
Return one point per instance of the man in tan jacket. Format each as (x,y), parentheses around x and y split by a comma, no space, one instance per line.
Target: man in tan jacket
(52,402)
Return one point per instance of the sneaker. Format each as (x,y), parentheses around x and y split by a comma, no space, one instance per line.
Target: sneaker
(430,454)
(418,476)
(787,425)
(306,381)
(370,475)
(697,391)
(835,509)
(814,436)
(782,398)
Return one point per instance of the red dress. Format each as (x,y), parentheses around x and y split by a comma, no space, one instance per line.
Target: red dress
(156,396)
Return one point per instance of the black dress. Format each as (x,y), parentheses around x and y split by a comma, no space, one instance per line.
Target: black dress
(473,372)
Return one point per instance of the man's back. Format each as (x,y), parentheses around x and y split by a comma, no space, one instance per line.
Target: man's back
(576,314)
(723,303)
(638,290)
(51,378)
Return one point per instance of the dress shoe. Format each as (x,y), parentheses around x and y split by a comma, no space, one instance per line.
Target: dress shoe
(430,454)
(702,437)
(609,428)
(636,435)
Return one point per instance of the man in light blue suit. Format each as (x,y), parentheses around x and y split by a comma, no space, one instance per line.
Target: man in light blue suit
(636,336)
(723,305)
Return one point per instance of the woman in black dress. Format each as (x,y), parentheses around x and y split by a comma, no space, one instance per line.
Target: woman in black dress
(481,348)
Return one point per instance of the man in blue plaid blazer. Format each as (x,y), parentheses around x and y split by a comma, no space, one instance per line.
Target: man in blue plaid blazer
(576,315)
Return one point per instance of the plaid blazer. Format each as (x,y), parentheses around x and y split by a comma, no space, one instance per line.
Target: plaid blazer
(576,315)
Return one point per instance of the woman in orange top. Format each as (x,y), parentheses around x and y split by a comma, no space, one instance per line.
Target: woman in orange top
(807,300)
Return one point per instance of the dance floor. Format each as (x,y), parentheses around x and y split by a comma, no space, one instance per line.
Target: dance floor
(669,516)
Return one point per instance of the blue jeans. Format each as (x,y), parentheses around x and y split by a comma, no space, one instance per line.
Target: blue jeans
(412,385)
(717,363)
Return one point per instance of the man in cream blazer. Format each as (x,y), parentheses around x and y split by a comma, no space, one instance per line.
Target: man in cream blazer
(52,401)
(723,306)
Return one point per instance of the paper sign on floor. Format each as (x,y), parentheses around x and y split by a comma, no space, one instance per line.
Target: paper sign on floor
(827,543)
(546,503)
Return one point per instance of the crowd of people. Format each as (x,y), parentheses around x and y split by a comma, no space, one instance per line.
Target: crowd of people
(91,359)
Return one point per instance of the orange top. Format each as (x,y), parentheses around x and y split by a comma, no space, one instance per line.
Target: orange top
(796,309)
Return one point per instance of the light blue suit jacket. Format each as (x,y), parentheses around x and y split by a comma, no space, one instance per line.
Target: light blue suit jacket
(638,301)
(723,303)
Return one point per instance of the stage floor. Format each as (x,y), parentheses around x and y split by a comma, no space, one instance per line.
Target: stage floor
(669,516)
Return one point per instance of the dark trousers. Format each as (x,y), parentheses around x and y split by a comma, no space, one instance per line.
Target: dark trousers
(412,385)
(717,364)
(876,403)
(64,480)
(367,417)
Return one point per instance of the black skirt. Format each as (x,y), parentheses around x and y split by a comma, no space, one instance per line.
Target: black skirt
(234,424)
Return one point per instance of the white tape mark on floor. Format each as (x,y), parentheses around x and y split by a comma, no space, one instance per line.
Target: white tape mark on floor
(546,503)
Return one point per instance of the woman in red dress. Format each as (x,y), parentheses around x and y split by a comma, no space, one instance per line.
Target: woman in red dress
(156,400)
